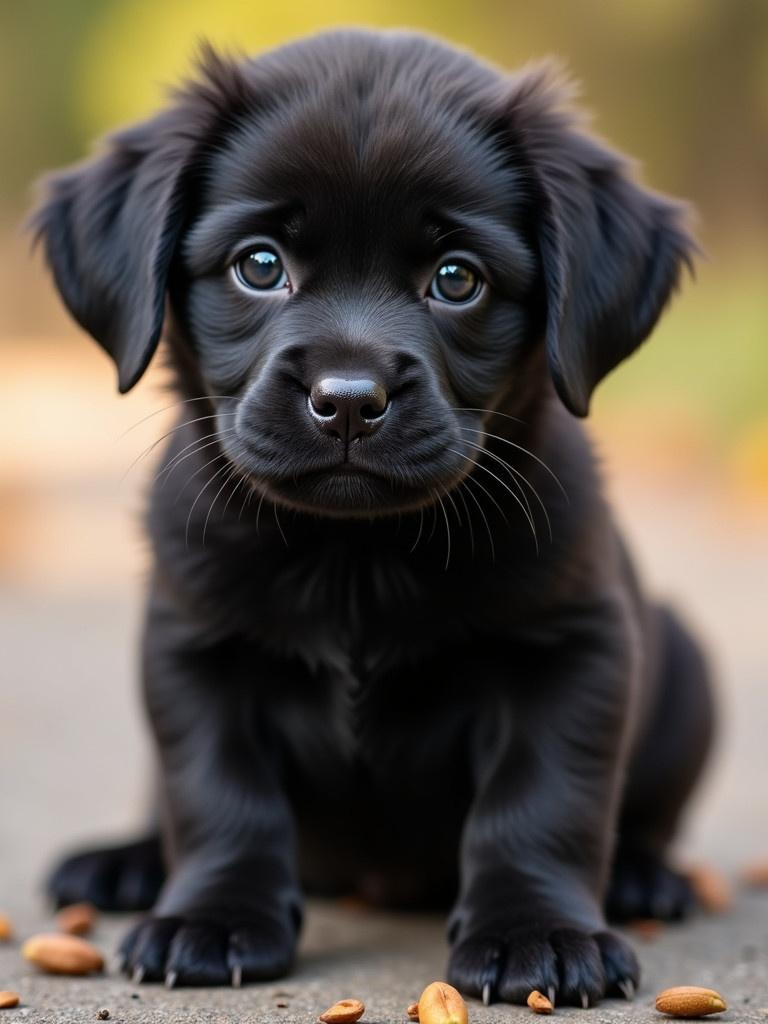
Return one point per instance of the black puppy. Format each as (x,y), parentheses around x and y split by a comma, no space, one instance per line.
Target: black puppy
(394,645)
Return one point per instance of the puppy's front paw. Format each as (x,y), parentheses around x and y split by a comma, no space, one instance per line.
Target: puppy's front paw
(191,951)
(570,966)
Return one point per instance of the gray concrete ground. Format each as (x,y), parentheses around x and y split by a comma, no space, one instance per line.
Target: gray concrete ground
(73,767)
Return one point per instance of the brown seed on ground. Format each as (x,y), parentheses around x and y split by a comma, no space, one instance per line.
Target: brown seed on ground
(103,1015)
(62,954)
(346,1011)
(539,1003)
(8,1000)
(755,875)
(6,928)
(690,1001)
(712,888)
(76,919)
(440,1003)
(647,929)
(412,1011)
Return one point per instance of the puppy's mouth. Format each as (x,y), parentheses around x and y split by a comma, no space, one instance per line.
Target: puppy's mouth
(350,487)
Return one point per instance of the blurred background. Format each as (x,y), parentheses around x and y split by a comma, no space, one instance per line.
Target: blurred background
(682,427)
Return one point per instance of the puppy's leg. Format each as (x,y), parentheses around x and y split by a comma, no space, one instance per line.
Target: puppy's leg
(538,839)
(127,877)
(662,773)
(230,910)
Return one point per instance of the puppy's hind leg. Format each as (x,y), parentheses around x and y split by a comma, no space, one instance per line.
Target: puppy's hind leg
(662,774)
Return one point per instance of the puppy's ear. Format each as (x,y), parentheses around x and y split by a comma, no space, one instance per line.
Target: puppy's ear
(611,251)
(110,226)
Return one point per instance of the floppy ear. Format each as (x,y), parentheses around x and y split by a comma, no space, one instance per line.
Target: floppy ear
(110,226)
(611,251)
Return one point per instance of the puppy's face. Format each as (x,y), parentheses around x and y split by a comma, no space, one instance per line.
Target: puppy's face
(370,242)
(359,284)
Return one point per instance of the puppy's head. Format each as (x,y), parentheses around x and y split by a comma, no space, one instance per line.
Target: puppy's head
(367,242)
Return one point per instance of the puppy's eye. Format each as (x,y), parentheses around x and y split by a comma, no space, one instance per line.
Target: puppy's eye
(262,270)
(455,282)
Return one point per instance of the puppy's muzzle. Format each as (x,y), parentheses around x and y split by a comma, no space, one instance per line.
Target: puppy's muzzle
(348,408)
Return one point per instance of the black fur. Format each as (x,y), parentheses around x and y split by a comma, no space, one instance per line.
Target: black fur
(415,665)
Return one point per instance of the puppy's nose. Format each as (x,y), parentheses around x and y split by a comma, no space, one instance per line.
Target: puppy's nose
(348,407)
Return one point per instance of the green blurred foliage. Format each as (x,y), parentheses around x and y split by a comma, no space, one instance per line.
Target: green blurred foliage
(683,84)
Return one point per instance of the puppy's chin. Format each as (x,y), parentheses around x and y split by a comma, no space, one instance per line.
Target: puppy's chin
(349,492)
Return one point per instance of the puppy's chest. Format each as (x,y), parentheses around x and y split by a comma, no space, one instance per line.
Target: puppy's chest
(351,617)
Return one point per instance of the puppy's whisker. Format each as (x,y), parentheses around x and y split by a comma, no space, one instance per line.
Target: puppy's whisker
(167,408)
(447,530)
(167,471)
(508,469)
(277,520)
(467,481)
(515,473)
(199,470)
(507,488)
(489,412)
(227,478)
(447,494)
(418,535)
(525,451)
(191,444)
(241,480)
(179,426)
(200,493)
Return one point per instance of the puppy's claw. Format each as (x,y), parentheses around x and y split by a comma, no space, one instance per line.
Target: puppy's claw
(237,976)
(584,1000)
(171,979)
(487,994)
(627,986)
(138,974)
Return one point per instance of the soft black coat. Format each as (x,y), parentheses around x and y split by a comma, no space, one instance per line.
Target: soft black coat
(394,645)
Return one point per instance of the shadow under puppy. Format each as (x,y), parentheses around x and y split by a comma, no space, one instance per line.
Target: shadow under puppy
(394,645)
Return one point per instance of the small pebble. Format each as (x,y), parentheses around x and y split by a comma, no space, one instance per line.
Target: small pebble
(103,1015)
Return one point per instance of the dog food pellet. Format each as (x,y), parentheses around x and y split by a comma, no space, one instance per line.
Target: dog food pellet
(442,1004)
(346,1011)
(62,954)
(756,874)
(539,1003)
(647,929)
(711,888)
(6,928)
(689,1001)
(8,1000)
(76,919)
(412,1011)
(103,1015)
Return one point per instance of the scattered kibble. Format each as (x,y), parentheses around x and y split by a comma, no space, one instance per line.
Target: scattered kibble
(711,888)
(62,954)
(346,1011)
(755,875)
(76,919)
(539,1002)
(689,1001)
